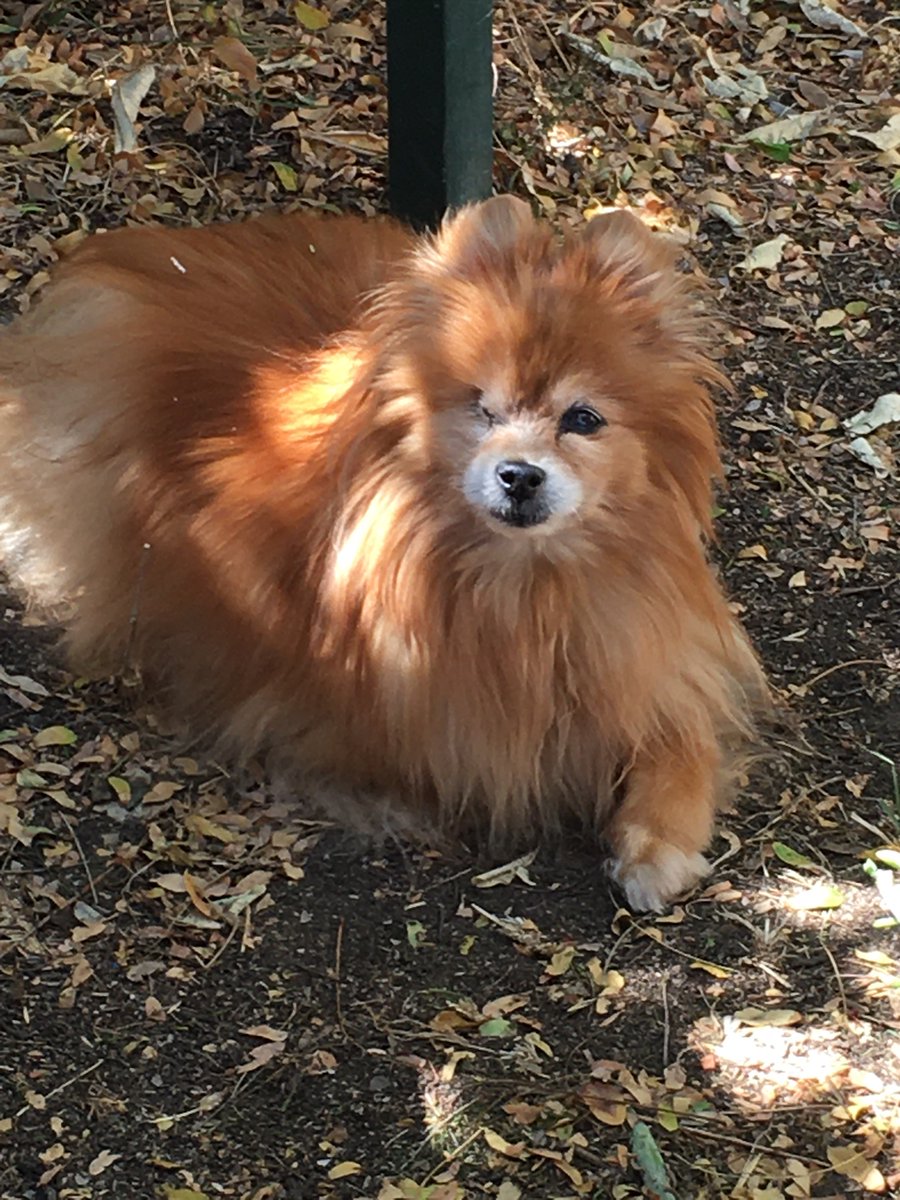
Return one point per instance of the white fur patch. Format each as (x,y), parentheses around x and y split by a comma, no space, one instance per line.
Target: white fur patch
(522,439)
(651,886)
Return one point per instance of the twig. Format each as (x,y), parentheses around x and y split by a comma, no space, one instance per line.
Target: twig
(736,1141)
(62,1087)
(853,662)
(54,912)
(81,855)
(338,946)
(666,1029)
(171,17)
(837,976)
(886,838)
(455,1153)
(221,950)
(795,475)
(555,43)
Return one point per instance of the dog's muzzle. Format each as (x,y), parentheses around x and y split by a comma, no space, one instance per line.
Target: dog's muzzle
(522,487)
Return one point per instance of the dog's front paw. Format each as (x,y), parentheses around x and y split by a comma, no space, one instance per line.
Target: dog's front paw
(662,872)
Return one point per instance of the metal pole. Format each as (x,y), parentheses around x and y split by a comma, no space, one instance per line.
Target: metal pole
(440,84)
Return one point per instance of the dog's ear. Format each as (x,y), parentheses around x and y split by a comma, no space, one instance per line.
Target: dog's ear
(480,233)
(635,260)
(638,268)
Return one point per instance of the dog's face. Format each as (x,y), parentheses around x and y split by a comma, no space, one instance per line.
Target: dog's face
(556,383)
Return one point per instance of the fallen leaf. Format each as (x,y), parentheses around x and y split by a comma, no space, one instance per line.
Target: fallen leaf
(287,176)
(778,1017)
(103,1160)
(344,1169)
(310,17)
(499,1143)
(792,857)
(787,130)
(126,97)
(54,735)
(850,1161)
(206,828)
(121,787)
(820,896)
(830,318)
(561,961)
(24,683)
(885,138)
(497,1027)
(884,411)
(767,255)
(500,876)
(825,17)
(260,1056)
(415,934)
(266,1032)
(717,972)
(233,54)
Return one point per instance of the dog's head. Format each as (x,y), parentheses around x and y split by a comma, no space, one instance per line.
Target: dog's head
(553,384)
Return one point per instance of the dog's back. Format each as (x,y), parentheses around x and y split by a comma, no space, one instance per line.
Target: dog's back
(149,346)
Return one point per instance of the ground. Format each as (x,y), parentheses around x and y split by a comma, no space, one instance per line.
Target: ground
(204,995)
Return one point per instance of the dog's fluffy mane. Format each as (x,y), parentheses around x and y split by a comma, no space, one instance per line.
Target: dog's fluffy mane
(215,444)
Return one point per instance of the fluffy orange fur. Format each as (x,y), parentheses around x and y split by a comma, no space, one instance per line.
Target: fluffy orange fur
(245,454)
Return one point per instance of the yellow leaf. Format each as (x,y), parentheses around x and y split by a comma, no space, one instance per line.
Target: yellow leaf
(287,176)
(449,1018)
(850,1161)
(194,889)
(561,961)
(713,969)
(499,1143)
(310,17)
(121,787)
(162,791)
(207,828)
(757,551)
(797,580)
(830,318)
(778,1017)
(819,896)
(343,1169)
(54,735)
(610,1112)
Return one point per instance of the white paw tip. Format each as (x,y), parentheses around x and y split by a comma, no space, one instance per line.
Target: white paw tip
(651,886)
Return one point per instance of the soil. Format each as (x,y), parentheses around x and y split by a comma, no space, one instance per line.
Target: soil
(208,996)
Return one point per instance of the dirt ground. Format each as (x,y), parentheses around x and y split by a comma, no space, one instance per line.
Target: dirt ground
(205,995)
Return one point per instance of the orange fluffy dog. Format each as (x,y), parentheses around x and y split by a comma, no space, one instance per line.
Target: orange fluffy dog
(416,518)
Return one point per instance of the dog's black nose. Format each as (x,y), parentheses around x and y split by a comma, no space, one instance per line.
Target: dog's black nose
(520,480)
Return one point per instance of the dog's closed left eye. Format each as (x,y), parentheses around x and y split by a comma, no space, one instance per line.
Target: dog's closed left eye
(481,408)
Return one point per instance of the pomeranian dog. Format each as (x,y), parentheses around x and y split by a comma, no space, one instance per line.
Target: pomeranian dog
(421,518)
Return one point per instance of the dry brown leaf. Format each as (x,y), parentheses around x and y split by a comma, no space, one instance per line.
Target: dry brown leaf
(233,54)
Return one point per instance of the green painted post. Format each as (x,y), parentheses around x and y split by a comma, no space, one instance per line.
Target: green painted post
(440,83)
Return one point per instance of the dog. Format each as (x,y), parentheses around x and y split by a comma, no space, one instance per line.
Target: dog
(416,517)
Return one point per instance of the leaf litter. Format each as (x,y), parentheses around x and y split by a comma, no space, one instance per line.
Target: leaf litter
(315,1016)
